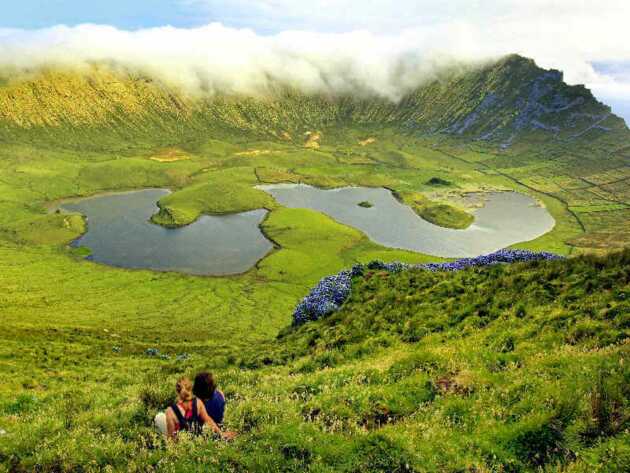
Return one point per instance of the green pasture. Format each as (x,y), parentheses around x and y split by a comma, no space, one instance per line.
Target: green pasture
(503,369)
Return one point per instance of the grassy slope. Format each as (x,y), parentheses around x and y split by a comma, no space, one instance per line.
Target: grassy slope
(419,371)
(67,135)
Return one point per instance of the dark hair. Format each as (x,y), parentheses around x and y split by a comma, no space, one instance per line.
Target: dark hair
(204,385)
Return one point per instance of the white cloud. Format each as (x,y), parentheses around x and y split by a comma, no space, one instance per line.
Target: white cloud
(565,34)
(392,47)
(215,58)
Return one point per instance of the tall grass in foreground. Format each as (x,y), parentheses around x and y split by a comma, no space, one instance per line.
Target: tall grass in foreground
(510,368)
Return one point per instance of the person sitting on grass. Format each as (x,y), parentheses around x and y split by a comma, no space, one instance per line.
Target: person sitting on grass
(205,388)
(187,414)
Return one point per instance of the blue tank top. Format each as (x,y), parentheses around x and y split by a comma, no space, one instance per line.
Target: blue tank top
(215,406)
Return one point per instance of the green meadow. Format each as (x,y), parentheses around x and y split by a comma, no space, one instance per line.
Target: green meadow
(502,369)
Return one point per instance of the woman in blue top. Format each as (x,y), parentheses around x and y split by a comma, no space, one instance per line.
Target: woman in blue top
(205,388)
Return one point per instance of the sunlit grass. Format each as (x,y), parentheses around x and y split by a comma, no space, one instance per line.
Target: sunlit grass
(500,369)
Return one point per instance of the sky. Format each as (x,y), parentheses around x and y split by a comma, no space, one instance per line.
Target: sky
(382,45)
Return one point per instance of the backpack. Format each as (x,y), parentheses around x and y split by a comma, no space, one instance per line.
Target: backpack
(192,425)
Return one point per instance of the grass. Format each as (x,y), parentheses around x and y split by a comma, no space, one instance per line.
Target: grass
(58,340)
(502,369)
(403,377)
(444,215)
(220,192)
(447,216)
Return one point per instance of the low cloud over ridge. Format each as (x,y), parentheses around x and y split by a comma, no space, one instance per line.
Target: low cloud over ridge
(215,58)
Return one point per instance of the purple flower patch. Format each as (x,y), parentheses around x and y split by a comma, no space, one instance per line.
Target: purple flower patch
(332,291)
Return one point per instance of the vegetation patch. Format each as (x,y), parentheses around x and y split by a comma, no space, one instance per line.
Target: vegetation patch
(313,139)
(438,181)
(367,141)
(447,216)
(443,215)
(170,155)
(276,176)
(332,291)
(219,192)
(254,152)
(519,367)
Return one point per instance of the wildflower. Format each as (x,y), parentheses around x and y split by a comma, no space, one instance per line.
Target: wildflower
(332,291)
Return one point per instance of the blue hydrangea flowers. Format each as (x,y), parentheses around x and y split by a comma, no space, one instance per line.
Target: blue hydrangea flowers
(326,297)
(332,291)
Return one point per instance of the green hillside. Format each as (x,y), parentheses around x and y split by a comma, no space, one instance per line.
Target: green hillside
(499,101)
(509,368)
(505,125)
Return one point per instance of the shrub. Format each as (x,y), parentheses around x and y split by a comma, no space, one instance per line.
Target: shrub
(503,343)
(332,291)
(420,361)
(584,330)
(457,412)
(157,395)
(378,453)
(256,414)
(414,331)
(23,404)
(438,181)
(327,359)
(606,404)
(392,403)
(520,311)
(539,439)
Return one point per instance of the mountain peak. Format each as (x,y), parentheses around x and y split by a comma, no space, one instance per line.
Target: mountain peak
(516,60)
(514,97)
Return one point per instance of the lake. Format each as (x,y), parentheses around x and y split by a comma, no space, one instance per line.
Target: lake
(120,234)
(505,219)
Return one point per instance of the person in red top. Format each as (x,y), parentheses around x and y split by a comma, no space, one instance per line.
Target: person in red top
(187,414)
